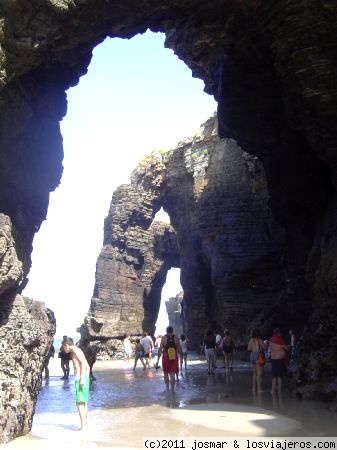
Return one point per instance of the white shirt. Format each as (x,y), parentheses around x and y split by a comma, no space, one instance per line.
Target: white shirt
(127,345)
(147,344)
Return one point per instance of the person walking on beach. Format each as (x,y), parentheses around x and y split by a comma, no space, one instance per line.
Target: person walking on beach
(139,354)
(127,348)
(65,360)
(279,357)
(90,355)
(183,358)
(148,346)
(218,344)
(227,350)
(209,347)
(170,349)
(50,354)
(82,379)
(255,346)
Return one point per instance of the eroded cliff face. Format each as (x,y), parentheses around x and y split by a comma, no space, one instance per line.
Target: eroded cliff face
(222,236)
(26,332)
(272,68)
(132,266)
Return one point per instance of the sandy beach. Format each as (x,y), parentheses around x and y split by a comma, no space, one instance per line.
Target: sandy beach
(126,406)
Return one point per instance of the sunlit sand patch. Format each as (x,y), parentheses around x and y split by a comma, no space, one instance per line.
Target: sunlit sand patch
(236,420)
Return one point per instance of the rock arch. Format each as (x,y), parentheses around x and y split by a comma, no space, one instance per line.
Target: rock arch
(272,68)
(137,254)
(223,238)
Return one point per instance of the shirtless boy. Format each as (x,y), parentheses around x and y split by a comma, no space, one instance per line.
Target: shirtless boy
(82,378)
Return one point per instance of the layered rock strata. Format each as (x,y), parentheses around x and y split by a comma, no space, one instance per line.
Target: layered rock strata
(26,332)
(272,68)
(222,236)
(132,266)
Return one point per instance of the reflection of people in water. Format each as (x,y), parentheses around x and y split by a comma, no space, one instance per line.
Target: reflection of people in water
(277,401)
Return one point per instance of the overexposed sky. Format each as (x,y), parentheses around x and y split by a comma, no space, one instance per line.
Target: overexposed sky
(136,97)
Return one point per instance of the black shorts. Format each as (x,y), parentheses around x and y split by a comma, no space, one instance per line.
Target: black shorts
(278,368)
(227,349)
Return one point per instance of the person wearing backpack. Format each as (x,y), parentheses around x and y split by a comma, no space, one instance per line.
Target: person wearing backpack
(169,349)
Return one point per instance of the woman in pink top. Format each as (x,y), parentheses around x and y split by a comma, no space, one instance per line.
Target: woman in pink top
(255,345)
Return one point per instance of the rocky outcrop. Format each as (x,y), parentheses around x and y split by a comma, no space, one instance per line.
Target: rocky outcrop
(222,236)
(26,332)
(173,309)
(132,266)
(272,68)
(11,267)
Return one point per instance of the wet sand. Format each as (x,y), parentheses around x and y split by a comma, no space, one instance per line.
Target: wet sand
(125,406)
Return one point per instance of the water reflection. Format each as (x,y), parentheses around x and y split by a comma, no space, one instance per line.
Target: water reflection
(126,405)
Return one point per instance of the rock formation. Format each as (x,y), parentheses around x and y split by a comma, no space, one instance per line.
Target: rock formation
(173,309)
(272,68)
(136,255)
(223,238)
(26,332)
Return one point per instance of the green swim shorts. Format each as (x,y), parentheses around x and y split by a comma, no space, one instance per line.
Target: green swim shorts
(82,394)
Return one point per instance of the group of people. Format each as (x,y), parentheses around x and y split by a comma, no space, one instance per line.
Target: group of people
(279,353)
(215,345)
(173,351)
(143,350)
(83,358)
(82,370)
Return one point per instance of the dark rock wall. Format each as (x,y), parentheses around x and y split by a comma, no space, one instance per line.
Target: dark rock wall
(272,68)
(11,266)
(223,237)
(26,331)
(230,246)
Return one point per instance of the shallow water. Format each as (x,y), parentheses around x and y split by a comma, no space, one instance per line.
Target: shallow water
(127,405)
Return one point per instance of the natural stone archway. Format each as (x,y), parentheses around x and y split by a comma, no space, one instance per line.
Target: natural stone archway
(223,238)
(136,256)
(272,68)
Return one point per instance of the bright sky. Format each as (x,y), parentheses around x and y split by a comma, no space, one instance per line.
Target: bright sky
(137,96)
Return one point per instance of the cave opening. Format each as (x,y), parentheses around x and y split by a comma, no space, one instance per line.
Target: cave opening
(128,104)
(170,304)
